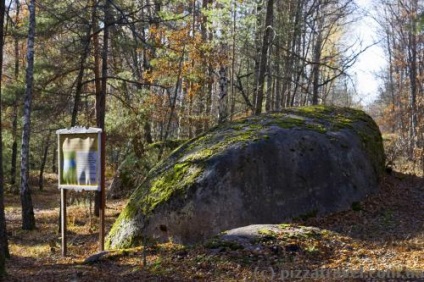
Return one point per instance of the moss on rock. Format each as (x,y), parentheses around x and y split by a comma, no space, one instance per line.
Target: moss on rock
(180,173)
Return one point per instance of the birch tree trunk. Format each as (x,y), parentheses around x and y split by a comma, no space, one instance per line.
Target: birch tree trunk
(28,219)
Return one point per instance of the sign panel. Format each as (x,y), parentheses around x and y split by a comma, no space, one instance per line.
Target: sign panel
(79,158)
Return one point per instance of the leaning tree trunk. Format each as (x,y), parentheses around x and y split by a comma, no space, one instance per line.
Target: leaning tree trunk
(28,219)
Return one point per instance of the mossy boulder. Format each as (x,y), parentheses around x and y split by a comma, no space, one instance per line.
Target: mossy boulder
(258,170)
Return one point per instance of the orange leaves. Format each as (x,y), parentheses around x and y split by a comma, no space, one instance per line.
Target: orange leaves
(193,89)
(173,43)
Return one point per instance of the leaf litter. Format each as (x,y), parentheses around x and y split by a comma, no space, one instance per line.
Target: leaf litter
(382,235)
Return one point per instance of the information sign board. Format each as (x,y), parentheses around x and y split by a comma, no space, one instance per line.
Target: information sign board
(79,158)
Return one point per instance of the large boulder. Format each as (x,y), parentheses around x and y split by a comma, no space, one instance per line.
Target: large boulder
(261,169)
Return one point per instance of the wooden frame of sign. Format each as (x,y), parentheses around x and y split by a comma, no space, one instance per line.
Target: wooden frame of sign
(81,160)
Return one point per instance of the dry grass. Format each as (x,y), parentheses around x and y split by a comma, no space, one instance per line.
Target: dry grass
(384,232)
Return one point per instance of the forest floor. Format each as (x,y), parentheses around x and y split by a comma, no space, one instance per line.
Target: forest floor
(381,237)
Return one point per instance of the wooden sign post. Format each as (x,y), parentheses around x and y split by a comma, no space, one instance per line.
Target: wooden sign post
(81,167)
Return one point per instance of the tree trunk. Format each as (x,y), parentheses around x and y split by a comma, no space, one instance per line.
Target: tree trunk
(43,161)
(101,97)
(233,63)
(207,36)
(173,103)
(54,164)
(96,47)
(4,248)
(295,65)
(223,95)
(278,94)
(14,151)
(391,82)
(317,58)
(258,43)
(264,56)
(15,109)
(78,88)
(28,219)
(269,102)
(412,58)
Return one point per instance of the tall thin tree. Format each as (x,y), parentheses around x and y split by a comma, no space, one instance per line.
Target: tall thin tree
(15,104)
(264,56)
(28,219)
(4,249)
(101,96)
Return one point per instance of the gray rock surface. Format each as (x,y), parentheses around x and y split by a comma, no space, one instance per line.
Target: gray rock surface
(249,236)
(259,170)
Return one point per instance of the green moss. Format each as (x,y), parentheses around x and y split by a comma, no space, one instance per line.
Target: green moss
(267,232)
(285,225)
(126,215)
(152,193)
(324,118)
(200,155)
(174,180)
(287,121)
(316,127)
(317,118)
(178,173)
(333,118)
(213,144)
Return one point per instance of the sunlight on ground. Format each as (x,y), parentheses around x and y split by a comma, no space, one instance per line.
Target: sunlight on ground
(383,232)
